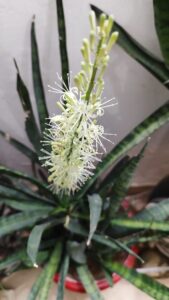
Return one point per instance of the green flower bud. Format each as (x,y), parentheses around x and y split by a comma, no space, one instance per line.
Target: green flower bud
(112,40)
(92,19)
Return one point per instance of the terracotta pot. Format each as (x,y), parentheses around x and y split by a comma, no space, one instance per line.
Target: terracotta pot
(76,286)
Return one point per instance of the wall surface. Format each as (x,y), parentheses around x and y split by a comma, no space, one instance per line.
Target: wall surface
(138,92)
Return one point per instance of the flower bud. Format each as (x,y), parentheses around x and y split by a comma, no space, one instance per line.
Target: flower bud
(101,21)
(86,50)
(92,19)
(112,40)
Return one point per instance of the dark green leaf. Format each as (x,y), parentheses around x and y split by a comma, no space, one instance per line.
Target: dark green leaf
(21,147)
(63,274)
(141,281)
(155,66)
(142,131)
(122,183)
(95,206)
(35,238)
(37,81)
(76,251)
(51,268)
(21,257)
(108,276)
(108,181)
(161,15)
(30,122)
(62,42)
(37,286)
(20,175)
(26,205)
(21,195)
(89,283)
(20,221)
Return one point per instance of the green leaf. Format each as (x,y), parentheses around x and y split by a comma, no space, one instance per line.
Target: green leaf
(37,286)
(63,274)
(30,122)
(95,206)
(153,213)
(35,238)
(21,257)
(161,15)
(37,81)
(51,268)
(26,206)
(142,131)
(138,224)
(88,282)
(108,276)
(122,183)
(155,66)
(62,42)
(108,181)
(21,195)
(21,147)
(141,281)
(76,251)
(19,221)
(20,175)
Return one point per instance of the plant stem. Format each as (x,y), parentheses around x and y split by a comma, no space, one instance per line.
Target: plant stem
(94,71)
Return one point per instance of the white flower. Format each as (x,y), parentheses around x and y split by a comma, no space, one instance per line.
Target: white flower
(75,137)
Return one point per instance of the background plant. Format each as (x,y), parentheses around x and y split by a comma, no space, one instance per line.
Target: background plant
(59,228)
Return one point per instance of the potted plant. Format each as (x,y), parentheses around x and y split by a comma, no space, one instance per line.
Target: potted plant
(73,221)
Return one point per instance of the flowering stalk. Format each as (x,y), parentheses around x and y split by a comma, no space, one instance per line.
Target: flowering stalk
(74,136)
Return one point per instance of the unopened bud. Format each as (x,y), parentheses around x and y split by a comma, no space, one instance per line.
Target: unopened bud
(86,48)
(112,40)
(101,21)
(92,19)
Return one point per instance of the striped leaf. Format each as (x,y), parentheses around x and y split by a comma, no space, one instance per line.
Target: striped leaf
(20,147)
(138,224)
(62,42)
(20,175)
(161,15)
(154,213)
(37,80)
(19,221)
(155,66)
(51,268)
(141,281)
(88,282)
(122,183)
(141,132)
(63,274)
(108,181)
(35,238)
(21,257)
(37,286)
(27,205)
(30,122)
(95,207)
(16,194)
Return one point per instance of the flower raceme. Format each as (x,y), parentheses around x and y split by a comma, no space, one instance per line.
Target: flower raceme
(75,137)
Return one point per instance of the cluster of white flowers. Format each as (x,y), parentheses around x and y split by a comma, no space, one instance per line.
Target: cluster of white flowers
(74,136)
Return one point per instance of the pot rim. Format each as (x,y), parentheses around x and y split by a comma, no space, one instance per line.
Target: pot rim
(76,286)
